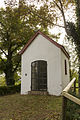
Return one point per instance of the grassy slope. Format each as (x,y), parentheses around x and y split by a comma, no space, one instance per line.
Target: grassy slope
(30,107)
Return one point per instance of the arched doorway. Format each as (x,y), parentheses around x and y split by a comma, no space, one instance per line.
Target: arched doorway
(39,75)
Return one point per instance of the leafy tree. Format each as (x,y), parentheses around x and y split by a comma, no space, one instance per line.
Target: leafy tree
(74,34)
(14,33)
(12,36)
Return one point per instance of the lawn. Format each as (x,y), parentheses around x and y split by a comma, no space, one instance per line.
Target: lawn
(30,107)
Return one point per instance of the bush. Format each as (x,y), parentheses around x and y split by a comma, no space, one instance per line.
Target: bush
(2,81)
(73,110)
(6,90)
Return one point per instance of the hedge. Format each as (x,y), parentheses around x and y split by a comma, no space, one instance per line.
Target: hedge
(7,90)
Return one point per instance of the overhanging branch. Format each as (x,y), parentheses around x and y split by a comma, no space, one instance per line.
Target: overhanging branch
(3,51)
(45,19)
(57,5)
(62,12)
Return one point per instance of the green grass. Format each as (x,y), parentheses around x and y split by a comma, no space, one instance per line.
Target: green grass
(30,107)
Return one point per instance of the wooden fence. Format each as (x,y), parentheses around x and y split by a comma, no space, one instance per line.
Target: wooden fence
(66,95)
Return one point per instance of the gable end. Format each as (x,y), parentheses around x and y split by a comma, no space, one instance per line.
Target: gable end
(48,38)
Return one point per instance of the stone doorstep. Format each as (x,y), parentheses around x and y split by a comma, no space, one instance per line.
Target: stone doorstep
(37,92)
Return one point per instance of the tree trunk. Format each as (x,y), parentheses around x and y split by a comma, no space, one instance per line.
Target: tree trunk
(9,75)
(79,80)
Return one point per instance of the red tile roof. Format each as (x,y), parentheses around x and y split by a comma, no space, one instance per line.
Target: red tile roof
(48,38)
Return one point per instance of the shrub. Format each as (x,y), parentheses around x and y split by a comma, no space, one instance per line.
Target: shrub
(73,110)
(6,90)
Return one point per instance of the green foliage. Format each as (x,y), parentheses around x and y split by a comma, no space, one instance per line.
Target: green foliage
(6,90)
(73,111)
(74,74)
(73,31)
(2,81)
(17,77)
(74,34)
(12,38)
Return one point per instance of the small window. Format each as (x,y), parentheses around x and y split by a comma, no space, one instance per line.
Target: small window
(65,67)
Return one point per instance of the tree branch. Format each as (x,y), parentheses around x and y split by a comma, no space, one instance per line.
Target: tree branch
(2,59)
(57,5)
(3,51)
(44,19)
(62,12)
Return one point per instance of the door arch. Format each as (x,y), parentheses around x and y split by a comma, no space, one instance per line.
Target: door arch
(39,75)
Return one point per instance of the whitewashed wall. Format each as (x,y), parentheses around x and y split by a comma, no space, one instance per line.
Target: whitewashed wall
(43,49)
(65,78)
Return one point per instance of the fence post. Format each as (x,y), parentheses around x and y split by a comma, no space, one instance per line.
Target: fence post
(75,86)
(79,81)
(79,87)
(64,105)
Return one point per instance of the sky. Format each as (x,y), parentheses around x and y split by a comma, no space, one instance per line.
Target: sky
(2,3)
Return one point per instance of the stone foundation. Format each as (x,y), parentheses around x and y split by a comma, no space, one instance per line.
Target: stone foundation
(37,92)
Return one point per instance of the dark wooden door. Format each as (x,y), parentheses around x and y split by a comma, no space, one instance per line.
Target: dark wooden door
(39,75)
